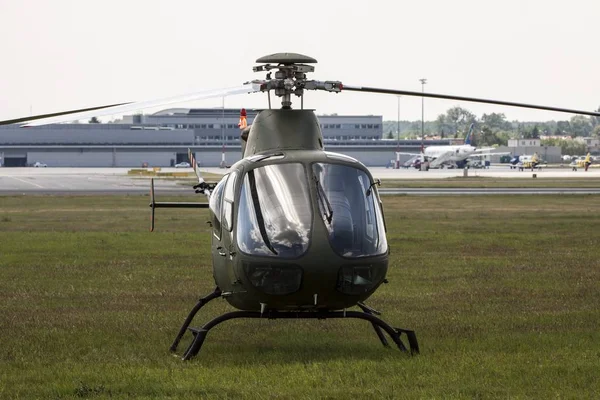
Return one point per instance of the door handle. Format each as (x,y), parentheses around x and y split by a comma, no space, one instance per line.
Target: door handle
(221,251)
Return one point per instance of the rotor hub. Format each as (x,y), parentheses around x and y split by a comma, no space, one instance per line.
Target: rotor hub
(290,77)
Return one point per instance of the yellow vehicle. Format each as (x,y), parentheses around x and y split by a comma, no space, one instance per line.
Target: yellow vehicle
(582,162)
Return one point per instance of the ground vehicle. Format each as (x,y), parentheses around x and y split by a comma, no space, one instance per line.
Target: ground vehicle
(182,165)
(568,158)
(40,165)
(475,164)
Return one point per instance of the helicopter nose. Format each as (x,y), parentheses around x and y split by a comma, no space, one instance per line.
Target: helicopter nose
(360,279)
(274,278)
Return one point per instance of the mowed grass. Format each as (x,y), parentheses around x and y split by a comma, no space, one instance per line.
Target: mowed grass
(525,180)
(502,291)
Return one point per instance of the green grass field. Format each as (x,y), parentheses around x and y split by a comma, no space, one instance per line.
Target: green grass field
(502,291)
(524,181)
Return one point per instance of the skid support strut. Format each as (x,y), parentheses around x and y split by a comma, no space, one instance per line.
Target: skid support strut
(378,324)
(216,293)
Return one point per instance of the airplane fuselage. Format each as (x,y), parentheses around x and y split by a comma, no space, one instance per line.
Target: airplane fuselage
(459,153)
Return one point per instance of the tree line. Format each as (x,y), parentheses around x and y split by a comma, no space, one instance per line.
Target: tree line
(494,129)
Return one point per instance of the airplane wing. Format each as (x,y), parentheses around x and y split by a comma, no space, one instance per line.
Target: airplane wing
(503,153)
(485,149)
(409,154)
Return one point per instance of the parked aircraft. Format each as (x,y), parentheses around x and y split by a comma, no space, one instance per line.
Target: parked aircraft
(582,162)
(527,161)
(455,156)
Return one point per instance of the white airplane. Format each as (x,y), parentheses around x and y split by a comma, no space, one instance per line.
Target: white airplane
(439,156)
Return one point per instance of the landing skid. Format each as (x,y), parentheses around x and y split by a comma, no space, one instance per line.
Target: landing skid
(367,314)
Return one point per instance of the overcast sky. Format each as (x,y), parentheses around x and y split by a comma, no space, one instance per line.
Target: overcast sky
(65,54)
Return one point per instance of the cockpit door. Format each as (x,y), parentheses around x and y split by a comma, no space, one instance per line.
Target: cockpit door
(221,206)
(226,251)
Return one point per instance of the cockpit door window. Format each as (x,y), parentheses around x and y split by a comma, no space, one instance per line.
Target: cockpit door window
(350,211)
(228,198)
(214,204)
(275,214)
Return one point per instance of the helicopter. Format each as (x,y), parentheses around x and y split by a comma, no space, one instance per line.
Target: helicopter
(297,232)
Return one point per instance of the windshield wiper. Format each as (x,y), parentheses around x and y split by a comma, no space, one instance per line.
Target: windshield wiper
(258,212)
(323,200)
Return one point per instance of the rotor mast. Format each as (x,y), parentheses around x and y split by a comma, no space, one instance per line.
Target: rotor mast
(290,77)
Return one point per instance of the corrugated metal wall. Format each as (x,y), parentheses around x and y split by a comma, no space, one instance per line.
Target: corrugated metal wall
(71,158)
(18,136)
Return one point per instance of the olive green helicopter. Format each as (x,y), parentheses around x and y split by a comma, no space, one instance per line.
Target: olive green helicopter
(297,232)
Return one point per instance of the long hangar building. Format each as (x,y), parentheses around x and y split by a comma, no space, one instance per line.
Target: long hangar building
(162,140)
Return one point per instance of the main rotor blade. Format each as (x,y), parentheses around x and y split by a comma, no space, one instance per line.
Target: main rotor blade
(56,114)
(463,98)
(74,115)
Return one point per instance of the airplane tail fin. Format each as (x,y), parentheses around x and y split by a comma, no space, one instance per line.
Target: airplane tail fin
(468,139)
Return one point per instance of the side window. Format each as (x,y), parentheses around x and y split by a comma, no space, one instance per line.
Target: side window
(370,228)
(228,202)
(215,201)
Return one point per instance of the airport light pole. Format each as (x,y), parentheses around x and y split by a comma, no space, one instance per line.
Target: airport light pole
(398,129)
(223,133)
(423,82)
(398,137)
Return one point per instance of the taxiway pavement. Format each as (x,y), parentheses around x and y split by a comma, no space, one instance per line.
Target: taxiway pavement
(116,180)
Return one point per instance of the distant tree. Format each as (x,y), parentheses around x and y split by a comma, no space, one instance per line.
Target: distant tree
(581,126)
(94,120)
(502,137)
(595,120)
(596,131)
(533,133)
(564,127)
(486,136)
(460,119)
(415,128)
(390,135)
(572,147)
(568,147)
(496,122)
(442,124)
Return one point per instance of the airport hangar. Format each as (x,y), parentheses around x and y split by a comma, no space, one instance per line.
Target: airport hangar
(162,139)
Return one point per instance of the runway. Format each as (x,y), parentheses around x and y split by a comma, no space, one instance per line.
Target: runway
(89,181)
(15,181)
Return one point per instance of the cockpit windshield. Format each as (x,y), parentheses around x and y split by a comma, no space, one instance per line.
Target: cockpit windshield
(274,217)
(350,210)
